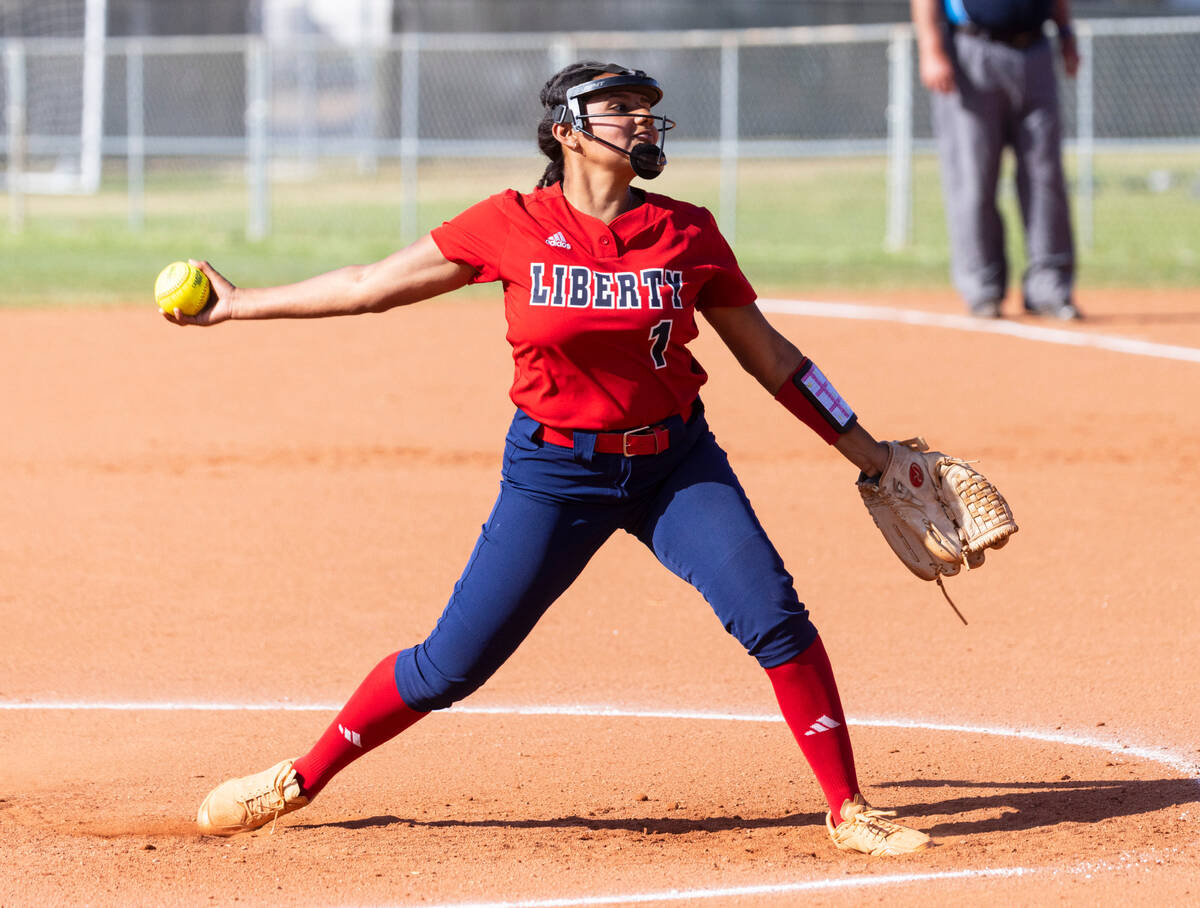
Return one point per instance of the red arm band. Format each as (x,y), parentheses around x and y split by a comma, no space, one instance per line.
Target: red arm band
(808,395)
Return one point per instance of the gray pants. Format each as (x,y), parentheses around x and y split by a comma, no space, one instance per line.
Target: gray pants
(1005,97)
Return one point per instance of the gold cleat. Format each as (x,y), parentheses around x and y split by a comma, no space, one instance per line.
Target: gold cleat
(865,829)
(240,805)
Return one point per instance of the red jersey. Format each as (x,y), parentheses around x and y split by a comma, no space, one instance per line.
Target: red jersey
(599,315)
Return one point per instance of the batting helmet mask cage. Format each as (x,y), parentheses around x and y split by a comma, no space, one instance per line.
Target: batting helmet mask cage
(647,160)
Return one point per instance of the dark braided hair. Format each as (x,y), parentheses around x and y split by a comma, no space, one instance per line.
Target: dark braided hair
(554,93)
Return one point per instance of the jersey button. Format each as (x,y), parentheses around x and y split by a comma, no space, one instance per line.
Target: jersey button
(603,241)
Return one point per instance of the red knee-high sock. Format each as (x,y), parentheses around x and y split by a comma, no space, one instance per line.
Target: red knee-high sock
(374,714)
(808,698)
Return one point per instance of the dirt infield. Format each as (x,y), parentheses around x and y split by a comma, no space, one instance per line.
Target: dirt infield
(211,536)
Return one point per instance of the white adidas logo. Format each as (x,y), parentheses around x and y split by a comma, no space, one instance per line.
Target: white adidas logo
(351,736)
(822,724)
(558,240)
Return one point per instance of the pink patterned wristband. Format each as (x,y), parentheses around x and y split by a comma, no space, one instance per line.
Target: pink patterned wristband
(808,395)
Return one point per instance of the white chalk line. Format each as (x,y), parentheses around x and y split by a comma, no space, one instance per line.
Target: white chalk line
(687,895)
(1166,757)
(1039,333)
(1162,756)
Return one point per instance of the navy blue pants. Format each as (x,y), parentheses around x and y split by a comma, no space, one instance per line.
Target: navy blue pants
(558,505)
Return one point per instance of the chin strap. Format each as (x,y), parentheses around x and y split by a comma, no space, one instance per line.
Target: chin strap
(646,159)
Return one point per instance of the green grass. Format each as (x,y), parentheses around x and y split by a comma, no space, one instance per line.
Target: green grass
(801,225)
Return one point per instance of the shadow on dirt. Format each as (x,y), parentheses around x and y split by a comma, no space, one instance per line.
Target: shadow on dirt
(1140,318)
(644,825)
(1028,805)
(1013,806)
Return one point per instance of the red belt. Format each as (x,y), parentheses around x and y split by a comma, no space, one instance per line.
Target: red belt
(632,443)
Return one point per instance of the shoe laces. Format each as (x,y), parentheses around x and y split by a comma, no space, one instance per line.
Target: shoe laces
(872,821)
(272,799)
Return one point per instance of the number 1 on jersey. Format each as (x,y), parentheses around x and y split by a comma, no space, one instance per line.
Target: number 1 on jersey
(660,334)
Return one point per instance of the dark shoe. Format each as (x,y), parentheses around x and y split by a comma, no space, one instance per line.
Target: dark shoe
(986,309)
(1064,311)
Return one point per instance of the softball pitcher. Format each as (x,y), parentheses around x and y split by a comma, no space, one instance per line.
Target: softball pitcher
(602,284)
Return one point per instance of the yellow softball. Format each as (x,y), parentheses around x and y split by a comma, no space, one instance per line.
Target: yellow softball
(181,286)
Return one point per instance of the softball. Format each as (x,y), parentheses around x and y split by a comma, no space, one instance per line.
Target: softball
(181,286)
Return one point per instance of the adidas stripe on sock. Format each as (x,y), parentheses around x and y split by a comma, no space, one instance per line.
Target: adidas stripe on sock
(808,698)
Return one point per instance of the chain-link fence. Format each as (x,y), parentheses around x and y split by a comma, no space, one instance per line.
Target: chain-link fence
(432,117)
